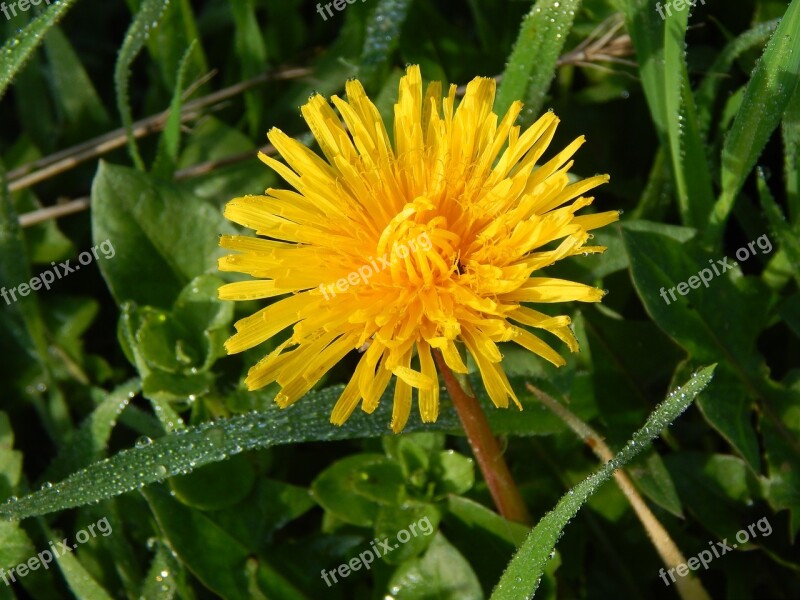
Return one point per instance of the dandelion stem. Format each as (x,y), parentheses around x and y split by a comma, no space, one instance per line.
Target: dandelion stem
(486,448)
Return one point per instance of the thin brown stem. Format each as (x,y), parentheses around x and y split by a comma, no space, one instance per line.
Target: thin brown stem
(689,588)
(486,448)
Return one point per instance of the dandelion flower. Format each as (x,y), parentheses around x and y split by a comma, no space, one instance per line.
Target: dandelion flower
(401,250)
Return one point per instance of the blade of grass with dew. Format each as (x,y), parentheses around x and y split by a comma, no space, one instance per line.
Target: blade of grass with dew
(170,142)
(16,51)
(765,100)
(145,21)
(383,31)
(521,578)
(689,161)
(646,29)
(181,452)
(532,64)
(791,152)
(708,90)
(788,238)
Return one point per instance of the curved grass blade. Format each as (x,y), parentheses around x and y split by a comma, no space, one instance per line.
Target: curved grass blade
(146,20)
(170,142)
(532,64)
(786,234)
(709,88)
(183,451)
(521,578)
(16,51)
(765,99)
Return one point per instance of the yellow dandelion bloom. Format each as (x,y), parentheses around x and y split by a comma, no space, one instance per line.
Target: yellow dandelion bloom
(401,250)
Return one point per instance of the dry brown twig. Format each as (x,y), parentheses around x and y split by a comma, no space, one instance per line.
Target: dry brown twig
(604,44)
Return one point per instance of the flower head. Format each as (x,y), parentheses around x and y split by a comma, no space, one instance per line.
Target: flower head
(401,250)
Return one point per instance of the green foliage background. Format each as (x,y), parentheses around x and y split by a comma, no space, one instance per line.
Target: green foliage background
(214,492)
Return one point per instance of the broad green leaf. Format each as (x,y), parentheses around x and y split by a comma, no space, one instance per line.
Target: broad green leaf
(716,489)
(383,30)
(766,98)
(352,488)
(17,49)
(146,20)
(155,228)
(653,478)
(183,451)
(521,578)
(532,64)
(442,573)
(222,564)
(215,486)
(419,520)
(487,540)
(702,323)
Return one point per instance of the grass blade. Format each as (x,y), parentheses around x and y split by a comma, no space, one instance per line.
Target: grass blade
(522,577)
(765,100)
(146,20)
(532,64)
(16,51)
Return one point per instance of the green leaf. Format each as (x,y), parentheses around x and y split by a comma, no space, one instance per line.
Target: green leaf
(532,64)
(222,564)
(521,578)
(487,540)
(701,323)
(454,473)
(791,155)
(352,488)
(419,521)
(155,228)
(146,20)
(441,573)
(653,478)
(766,98)
(17,49)
(215,486)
